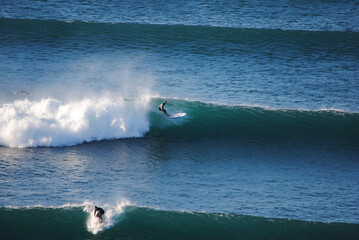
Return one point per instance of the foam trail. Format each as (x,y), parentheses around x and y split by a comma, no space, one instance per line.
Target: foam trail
(51,122)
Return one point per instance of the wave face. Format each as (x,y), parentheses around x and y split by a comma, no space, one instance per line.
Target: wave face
(50,122)
(133,222)
(246,123)
(301,15)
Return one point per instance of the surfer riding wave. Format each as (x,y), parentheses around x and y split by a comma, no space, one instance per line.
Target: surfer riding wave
(98,213)
(162,108)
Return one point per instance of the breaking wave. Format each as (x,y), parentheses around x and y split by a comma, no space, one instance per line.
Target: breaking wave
(50,122)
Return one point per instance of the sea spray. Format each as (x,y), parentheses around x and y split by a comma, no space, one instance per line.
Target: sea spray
(111,216)
(51,122)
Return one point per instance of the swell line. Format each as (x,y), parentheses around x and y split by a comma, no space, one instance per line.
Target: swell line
(134,222)
(23,23)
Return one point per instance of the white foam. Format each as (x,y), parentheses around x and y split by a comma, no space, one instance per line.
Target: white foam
(111,216)
(51,122)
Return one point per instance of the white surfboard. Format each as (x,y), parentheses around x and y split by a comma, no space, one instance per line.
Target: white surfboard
(177,115)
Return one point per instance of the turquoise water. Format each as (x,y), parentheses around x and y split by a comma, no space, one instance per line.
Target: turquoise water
(145,223)
(268,148)
(262,67)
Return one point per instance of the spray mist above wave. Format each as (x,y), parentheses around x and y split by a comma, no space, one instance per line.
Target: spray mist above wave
(51,122)
(111,217)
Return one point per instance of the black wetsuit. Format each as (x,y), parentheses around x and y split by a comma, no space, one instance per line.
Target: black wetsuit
(161,107)
(99,212)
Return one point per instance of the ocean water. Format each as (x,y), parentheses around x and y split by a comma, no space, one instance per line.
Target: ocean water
(268,149)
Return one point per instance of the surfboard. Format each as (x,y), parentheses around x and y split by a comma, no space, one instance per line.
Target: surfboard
(94,225)
(177,115)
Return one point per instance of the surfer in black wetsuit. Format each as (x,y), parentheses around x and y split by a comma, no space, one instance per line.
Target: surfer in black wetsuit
(99,212)
(162,108)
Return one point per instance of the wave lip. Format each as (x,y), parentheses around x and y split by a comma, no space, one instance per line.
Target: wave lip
(50,122)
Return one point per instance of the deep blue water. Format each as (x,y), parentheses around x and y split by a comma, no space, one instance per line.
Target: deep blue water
(269,143)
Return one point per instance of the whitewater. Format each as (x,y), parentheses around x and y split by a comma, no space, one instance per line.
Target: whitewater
(50,122)
(268,148)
